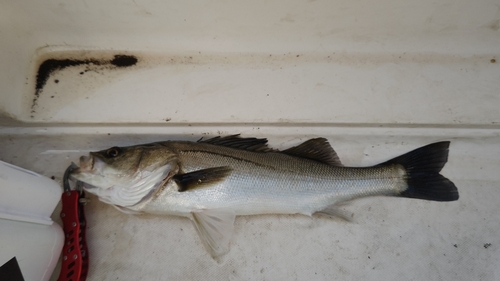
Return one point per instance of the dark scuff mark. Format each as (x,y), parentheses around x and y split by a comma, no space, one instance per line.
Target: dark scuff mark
(124,61)
(50,66)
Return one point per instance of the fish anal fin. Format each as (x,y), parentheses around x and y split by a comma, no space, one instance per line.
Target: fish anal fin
(317,149)
(337,212)
(201,178)
(235,141)
(215,228)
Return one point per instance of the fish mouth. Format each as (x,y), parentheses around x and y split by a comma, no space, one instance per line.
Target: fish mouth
(86,167)
(74,172)
(86,164)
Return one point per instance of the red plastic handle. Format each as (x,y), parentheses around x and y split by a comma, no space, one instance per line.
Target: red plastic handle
(83,244)
(75,252)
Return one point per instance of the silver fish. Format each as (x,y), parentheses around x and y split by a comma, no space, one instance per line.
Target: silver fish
(212,181)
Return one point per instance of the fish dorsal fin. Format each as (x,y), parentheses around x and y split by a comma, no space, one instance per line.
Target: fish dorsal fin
(235,141)
(200,178)
(215,228)
(317,149)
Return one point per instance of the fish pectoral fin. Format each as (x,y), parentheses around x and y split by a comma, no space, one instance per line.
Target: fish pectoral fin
(200,178)
(336,211)
(215,228)
(317,149)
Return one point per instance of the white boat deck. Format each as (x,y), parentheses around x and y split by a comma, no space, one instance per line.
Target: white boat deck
(376,79)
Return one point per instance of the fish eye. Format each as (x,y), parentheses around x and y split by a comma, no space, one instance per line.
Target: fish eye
(113,152)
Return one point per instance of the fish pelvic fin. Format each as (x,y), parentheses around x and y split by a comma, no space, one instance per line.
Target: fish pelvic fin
(201,178)
(215,228)
(422,167)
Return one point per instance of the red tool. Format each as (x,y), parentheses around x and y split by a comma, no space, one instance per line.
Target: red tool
(75,254)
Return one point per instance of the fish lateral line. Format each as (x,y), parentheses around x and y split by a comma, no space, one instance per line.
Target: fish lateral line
(228,156)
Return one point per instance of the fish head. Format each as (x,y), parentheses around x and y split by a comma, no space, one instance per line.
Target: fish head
(124,176)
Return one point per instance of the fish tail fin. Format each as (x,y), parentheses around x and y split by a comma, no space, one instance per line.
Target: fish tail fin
(422,167)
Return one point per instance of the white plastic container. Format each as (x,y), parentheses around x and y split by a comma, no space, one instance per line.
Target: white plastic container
(27,232)
(27,196)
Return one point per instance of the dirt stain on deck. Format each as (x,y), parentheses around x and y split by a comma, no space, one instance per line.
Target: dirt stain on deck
(50,66)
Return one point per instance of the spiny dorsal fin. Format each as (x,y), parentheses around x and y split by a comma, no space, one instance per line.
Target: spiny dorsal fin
(235,141)
(200,178)
(317,149)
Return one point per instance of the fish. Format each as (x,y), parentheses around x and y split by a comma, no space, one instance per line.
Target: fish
(214,180)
